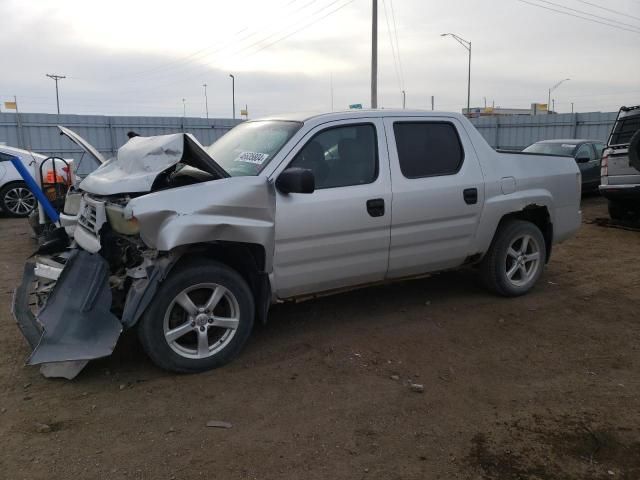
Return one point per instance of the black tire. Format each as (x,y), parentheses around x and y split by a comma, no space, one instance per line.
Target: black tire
(617,210)
(634,151)
(151,328)
(623,211)
(7,195)
(497,262)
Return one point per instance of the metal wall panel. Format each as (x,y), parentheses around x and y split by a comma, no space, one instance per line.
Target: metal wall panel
(516,132)
(38,132)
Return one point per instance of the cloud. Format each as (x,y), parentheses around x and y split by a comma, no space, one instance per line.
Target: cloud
(143,58)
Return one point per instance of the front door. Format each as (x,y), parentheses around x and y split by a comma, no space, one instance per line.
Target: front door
(337,236)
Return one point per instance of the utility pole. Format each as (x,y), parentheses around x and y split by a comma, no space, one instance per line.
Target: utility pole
(433,102)
(374,54)
(206,100)
(55,79)
(466,44)
(233,94)
(184,107)
(551,90)
(404,99)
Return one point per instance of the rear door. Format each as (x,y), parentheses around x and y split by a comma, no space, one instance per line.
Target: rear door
(438,193)
(337,236)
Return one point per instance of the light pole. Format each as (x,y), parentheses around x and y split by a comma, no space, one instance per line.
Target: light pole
(466,44)
(184,107)
(206,101)
(233,94)
(552,89)
(55,79)
(404,99)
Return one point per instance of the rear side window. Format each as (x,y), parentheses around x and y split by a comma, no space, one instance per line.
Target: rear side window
(599,147)
(624,129)
(427,149)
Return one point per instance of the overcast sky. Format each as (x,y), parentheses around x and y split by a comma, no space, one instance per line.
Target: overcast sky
(142,57)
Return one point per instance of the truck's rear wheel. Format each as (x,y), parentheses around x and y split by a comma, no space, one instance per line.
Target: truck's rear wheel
(200,318)
(622,211)
(515,259)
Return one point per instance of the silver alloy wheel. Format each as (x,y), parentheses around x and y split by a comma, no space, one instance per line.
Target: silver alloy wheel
(523,260)
(19,201)
(201,320)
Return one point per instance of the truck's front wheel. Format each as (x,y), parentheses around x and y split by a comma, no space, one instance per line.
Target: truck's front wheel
(515,259)
(200,318)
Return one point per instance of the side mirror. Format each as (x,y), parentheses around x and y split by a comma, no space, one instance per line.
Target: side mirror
(583,159)
(296,180)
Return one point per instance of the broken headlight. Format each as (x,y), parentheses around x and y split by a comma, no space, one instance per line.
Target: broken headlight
(119,224)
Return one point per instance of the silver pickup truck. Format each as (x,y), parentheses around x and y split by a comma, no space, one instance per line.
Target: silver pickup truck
(191,245)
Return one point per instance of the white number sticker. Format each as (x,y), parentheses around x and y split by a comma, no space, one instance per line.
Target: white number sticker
(252,157)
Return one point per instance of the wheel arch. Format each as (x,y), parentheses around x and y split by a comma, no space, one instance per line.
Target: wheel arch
(248,259)
(539,216)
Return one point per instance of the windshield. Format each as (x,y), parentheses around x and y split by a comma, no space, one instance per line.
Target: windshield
(250,146)
(566,149)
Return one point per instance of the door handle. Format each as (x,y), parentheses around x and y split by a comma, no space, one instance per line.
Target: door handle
(470,196)
(375,207)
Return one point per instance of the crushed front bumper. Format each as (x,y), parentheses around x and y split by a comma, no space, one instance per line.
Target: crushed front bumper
(76,324)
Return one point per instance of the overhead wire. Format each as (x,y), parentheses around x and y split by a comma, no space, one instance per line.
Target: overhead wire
(578,16)
(617,12)
(203,67)
(613,20)
(210,49)
(206,67)
(393,50)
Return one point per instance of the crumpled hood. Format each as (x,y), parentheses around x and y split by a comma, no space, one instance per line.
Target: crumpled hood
(140,160)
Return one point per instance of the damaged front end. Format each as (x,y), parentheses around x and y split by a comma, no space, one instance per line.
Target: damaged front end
(75,323)
(136,215)
(72,305)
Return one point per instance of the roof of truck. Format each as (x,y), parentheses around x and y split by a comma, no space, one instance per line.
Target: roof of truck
(357,113)
(570,140)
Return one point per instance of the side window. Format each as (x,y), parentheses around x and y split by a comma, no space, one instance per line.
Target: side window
(585,151)
(341,156)
(427,149)
(599,147)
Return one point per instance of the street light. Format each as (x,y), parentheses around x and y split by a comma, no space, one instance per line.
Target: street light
(466,44)
(552,89)
(233,94)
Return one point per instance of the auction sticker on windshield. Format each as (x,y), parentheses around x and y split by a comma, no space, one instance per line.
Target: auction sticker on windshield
(252,157)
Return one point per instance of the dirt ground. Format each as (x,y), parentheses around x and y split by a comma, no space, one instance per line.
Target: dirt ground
(544,386)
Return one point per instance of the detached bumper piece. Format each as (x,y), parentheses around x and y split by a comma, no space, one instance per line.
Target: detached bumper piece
(76,324)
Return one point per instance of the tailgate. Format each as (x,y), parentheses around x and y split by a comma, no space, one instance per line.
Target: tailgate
(620,172)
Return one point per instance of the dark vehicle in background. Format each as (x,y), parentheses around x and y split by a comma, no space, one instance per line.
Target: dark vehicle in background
(587,154)
(620,176)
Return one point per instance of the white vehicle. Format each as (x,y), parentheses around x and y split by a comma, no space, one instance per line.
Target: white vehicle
(190,244)
(15,198)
